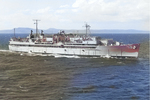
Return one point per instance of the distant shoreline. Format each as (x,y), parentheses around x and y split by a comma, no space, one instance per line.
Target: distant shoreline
(76,31)
(81,33)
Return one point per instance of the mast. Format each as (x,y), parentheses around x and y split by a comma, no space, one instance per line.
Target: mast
(36,22)
(14,33)
(87,28)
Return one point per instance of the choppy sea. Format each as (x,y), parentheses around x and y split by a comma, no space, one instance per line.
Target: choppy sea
(39,77)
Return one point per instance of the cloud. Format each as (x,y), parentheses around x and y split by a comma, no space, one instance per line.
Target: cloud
(118,10)
(60,11)
(64,6)
(74,13)
(79,3)
(44,10)
(74,10)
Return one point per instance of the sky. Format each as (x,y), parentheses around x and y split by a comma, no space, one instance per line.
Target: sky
(73,14)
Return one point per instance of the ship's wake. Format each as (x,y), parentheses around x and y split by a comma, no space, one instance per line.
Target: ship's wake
(55,55)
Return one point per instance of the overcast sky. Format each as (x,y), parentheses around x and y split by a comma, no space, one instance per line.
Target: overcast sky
(72,14)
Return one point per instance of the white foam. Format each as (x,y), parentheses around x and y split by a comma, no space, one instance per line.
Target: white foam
(66,56)
(4,50)
(106,56)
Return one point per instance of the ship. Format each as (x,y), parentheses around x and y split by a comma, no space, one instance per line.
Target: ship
(73,44)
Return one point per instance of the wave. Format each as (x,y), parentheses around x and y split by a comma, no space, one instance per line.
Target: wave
(144,49)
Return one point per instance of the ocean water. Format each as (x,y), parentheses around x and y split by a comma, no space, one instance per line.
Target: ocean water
(28,77)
